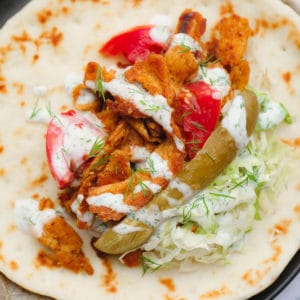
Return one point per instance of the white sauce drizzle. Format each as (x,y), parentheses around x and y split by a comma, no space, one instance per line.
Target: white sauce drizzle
(217,78)
(150,216)
(147,185)
(30,219)
(182,187)
(235,121)
(139,153)
(160,34)
(155,106)
(158,168)
(91,84)
(171,201)
(86,217)
(113,201)
(126,228)
(71,81)
(185,40)
(38,115)
(86,97)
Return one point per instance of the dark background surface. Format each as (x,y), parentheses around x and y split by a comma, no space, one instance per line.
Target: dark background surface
(9,8)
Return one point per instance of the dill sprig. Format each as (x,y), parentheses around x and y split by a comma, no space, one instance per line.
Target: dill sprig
(151,165)
(184,48)
(99,83)
(148,263)
(208,61)
(199,126)
(102,161)
(53,115)
(35,110)
(97,148)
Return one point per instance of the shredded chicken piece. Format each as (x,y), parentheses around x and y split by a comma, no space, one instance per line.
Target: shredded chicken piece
(153,74)
(234,32)
(65,244)
(136,199)
(239,75)
(149,131)
(181,63)
(117,169)
(92,72)
(91,171)
(124,107)
(191,23)
(109,119)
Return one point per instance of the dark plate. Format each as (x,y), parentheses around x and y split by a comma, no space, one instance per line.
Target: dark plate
(9,8)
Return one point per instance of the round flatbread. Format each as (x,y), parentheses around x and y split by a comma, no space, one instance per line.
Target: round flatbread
(49,39)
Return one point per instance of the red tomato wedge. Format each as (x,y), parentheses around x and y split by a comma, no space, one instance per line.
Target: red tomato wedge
(199,107)
(69,140)
(134,44)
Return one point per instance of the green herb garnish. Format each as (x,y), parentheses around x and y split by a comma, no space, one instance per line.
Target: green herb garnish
(148,263)
(96,148)
(99,83)
(35,110)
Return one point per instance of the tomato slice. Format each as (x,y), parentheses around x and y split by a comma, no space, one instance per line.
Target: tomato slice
(199,107)
(69,140)
(134,44)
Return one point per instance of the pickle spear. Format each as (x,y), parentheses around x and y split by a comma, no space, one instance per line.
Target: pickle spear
(218,151)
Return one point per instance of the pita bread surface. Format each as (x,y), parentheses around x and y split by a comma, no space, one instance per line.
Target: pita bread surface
(50,39)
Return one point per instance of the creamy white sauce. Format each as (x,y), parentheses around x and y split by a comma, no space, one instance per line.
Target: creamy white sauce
(235,121)
(150,216)
(91,84)
(182,187)
(155,106)
(139,153)
(160,34)
(179,143)
(40,90)
(72,80)
(30,219)
(38,115)
(126,228)
(185,40)
(86,97)
(147,185)
(113,201)
(86,217)
(217,78)
(171,201)
(271,116)
(157,166)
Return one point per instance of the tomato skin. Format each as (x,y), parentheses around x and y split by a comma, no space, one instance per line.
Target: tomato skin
(199,106)
(134,44)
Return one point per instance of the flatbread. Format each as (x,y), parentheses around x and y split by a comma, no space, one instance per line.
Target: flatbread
(48,40)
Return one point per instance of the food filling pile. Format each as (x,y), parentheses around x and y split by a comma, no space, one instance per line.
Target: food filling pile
(137,128)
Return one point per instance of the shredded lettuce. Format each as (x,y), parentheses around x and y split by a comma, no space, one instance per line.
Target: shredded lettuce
(215,222)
